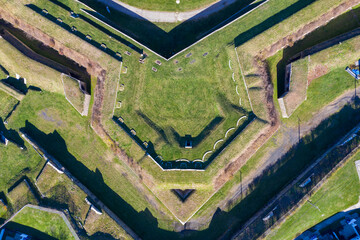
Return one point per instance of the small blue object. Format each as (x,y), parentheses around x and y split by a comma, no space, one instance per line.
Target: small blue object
(356,71)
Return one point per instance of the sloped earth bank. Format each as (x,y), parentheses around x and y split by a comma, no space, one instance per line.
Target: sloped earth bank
(307,28)
(290,135)
(96,70)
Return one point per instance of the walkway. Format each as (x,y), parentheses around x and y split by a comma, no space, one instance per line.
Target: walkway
(160,16)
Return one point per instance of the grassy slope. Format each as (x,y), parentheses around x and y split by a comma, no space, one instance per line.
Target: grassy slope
(338,193)
(7,104)
(21,195)
(73,93)
(62,190)
(189,100)
(328,87)
(168,5)
(36,74)
(217,39)
(49,223)
(86,147)
(298,85)
(16,162)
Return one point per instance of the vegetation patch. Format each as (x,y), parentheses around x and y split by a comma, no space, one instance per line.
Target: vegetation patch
(73,92)
(62,191)
(21,195)
(51,224)
(102,227)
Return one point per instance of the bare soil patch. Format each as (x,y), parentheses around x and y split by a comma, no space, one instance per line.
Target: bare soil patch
(317,72)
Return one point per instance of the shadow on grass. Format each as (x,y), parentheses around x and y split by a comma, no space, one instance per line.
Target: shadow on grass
(223,224)
(271,21)
(147,33)
(17,84)
(11,134)
(101,235)
(340,25)
(201,136)
(13,226)
(43,54)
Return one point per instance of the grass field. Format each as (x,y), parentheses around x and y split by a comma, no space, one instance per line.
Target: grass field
(298,85)
(216,43)
(49,223)
(62,190)
(73,93)
(7,104)
(338,193)
(200,100)
(21,195)
(36,74)
(98,226)
(167,5)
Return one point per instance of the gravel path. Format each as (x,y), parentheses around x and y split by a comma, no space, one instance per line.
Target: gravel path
(160,16)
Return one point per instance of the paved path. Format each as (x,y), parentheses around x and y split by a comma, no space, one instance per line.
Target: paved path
(160,16)
(86,105)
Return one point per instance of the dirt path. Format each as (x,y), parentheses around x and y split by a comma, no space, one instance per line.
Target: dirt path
(161,16)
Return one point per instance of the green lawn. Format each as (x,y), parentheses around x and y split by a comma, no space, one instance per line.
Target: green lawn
(327,87)
(339,192)
(36,74)
(169,5)
(49,115)
(21,195)
(73,93)
(7,104)
(166,105)
(62,190)
(49,223)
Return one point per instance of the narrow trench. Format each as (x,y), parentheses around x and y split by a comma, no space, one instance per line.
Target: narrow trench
(43,54)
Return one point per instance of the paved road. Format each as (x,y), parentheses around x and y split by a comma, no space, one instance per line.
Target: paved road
(160,16)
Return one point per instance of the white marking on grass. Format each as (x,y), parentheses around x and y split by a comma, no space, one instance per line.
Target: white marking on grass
(206,153)
(233,77)
(240,101)
(230,129)
(237,92)
(230,64)
(238,121)
(241,71)
(218,141)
